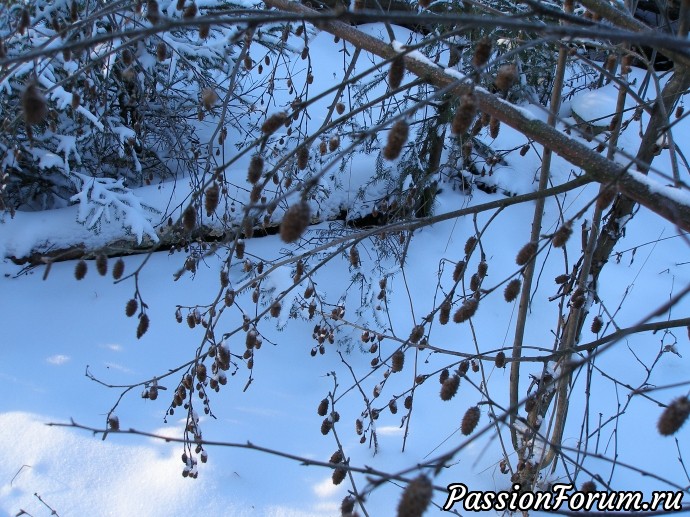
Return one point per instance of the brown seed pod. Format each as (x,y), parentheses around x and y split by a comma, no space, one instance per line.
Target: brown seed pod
(512,290)
(229,297)
(347,506)
(466,310)
(397,361)
(408,402)
(143,325)
(674,416)
(336,457)
(679,111)
(295,222)
(393,406)
(561,279)
(597,324)
(340,109)
(397,137)
(326,426)
(464,114)
(416,497)
(470,420)
(338,475)
(464,367)
(131,307)
(256,168)
(474,282)
(211,199)
(239,249)
(494,127)
(275,309)
(460,267)
(526,254)
(469,245)
(445,373)
(482,268)
(24,21)
(450,387)
(190,11)
(396,72)
(80,270)
(152,13)
(204,30)
(102,264)
(209,97)
(273,123)
(323,407)
(161,51)
(333,143)
(189,218)
(606,197)
(562,235)
(302,157)
(506,77)
(416,334)
(500,360)
(524,150)
(118,269)
(354,257)
(588,486)
(444,313)
(482,52)
(113,423)
(74,11)
(34,105)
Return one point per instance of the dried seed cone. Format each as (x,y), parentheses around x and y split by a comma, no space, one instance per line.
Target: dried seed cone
(131,307)
(482,52)
(526,253)
(273,123)
(500,360)
(118,269)
(408,402)
(397,361)
(396,72)
(506,77)
(470,244)
(333,143)
(674,416)
(450,387)
(80,270)
(512,290)
(562,235)
(143,325)
(338,475)
(275,309)
(416,497)
(211,199)
(482,268)
(323,407)
(34,105)
(189,218)
(459,269)
(597,324)
(340,108)
(354,257)
(326,426)
(588,486)
(190,11)
(302,158)
(524,150)
(444,313)
(102,264)
(470,420)
(606,197)
(466,311)
(494,127)
(397,137)
(256,168)
(336,457)
(161,51)
(295,222)
(464,114)
(347,506)
(416,334)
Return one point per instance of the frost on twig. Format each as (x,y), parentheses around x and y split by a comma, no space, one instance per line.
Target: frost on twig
(108,198)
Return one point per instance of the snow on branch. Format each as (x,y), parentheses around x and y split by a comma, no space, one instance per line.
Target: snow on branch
(107,198)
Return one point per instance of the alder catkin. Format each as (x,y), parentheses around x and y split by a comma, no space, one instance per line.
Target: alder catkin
(674,416)
(444,313)
(500,360)
(397,361)
(597,324)
(273,123)
(189,218)
(131,308)
(464,114)
(416,497)
(302,157)
(211,199)
(143,325)
(397,137)
(482,52)
(295,222)
(102,264)
(34,105)
(466,310)
(118,269)
(323,407)
(80,270)
(459,270)
(512,290)
(494,127)
(470,420)
(396,72)
(256,168)
(526,253)
(506,77)
(450,387)
(562,235)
